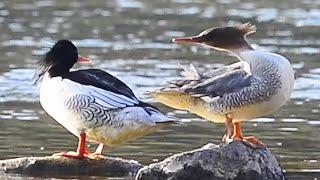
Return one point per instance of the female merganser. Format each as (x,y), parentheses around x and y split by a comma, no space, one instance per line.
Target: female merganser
(259,84)
(91,103)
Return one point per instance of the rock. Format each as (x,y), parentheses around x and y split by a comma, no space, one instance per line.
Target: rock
(55,165)
(234,161)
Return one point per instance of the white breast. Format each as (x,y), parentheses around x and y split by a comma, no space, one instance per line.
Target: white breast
(52,102)
(256,58)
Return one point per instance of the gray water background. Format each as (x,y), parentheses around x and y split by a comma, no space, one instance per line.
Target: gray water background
(131,40)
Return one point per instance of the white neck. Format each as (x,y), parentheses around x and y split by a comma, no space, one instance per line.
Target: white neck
(237,52)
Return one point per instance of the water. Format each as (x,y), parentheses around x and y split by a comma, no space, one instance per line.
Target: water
(131,40)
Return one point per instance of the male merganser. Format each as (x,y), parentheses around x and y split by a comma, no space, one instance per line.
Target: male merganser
(259,84)
(91,103)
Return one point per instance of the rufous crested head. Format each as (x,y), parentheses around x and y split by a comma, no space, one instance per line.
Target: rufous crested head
(229,38)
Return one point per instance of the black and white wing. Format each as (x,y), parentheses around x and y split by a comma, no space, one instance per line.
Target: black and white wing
(96,97)
(101,79)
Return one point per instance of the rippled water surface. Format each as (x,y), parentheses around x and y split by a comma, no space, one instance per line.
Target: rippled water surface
(131,40)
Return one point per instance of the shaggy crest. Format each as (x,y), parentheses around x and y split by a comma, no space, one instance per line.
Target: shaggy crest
(59,59)
(247,28)
(43,67)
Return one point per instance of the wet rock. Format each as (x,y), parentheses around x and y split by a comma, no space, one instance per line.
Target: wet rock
(234,161)
(55,165)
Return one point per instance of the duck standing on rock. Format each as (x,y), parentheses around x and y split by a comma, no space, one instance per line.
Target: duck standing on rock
(92,104)
(259,84)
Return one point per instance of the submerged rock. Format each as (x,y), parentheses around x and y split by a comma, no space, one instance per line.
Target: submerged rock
(234,161)
(55,165)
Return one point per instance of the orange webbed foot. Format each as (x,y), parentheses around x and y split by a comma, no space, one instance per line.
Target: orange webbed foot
(251,141)
(75,155)
(82,151)
(70,154)
(237,135)
(254,142)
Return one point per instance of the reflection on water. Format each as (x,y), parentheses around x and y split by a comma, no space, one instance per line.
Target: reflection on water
(131,39)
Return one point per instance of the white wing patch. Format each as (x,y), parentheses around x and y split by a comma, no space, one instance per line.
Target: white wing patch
(107,99)
(112,100)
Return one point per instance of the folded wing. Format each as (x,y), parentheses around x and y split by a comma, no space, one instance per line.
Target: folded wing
(216,83)
(97,98)
(101,79)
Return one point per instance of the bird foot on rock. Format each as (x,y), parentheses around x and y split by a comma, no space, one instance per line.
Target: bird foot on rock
(76,155)
(249,140)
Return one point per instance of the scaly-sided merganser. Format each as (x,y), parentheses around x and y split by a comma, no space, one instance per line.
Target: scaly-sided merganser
(91,103)
(259,84)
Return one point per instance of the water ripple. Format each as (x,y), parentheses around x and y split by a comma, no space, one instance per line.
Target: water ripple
(131,40)
(18,85)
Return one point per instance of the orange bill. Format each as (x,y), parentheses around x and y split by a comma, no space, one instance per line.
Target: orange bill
(83,60)
(192,39)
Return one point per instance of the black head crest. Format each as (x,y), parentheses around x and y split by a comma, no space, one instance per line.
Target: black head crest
(58,60)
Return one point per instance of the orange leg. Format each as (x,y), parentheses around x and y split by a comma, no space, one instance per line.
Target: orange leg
(229,128)
(82,151)
(237,131)
(249,140)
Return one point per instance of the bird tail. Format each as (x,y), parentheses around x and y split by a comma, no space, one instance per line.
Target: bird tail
(177,99)
(155,114)
(184,101)
(159,117)
(168,120)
